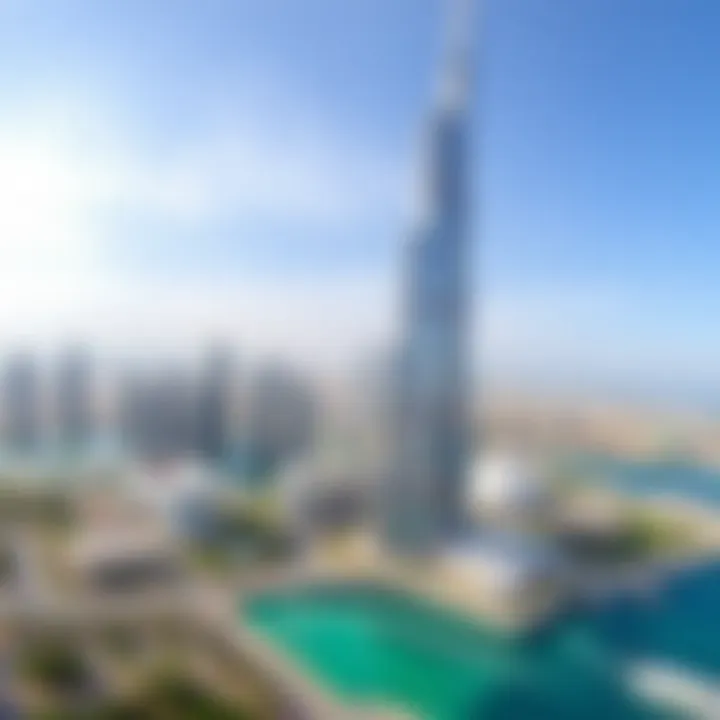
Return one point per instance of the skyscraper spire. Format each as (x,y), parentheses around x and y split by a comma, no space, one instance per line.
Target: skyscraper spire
(440,183)
(455,78)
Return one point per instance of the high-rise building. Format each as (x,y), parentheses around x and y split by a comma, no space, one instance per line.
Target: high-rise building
(74,399)
(280,419)
(127,407)
(21,404)
(156,413)
(424,503)
(214,411)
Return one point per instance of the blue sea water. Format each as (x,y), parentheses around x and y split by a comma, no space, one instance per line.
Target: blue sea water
(665,477)
(678,625)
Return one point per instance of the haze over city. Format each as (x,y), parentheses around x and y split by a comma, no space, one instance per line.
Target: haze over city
(172,172)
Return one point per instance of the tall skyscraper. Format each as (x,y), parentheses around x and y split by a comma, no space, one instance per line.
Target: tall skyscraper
(424,503)
(281,418)
(157,412)
(21,404)
(214,412)
(74,399)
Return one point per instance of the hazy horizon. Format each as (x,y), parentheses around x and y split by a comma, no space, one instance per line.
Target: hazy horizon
(173,172)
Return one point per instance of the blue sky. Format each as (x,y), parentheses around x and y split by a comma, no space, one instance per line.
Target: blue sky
(177,169)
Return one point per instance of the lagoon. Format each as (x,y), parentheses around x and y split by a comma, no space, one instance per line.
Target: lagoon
(377,647)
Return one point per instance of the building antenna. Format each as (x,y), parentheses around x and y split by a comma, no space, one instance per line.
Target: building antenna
(461,32)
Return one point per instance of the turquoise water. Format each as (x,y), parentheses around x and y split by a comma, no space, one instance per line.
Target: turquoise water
(376,647)
(679,478)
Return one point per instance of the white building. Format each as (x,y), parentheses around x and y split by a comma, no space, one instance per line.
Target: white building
(506,488)
(180,493)
(121,544)
(508,561)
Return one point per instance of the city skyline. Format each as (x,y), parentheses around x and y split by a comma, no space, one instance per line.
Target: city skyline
(149,172)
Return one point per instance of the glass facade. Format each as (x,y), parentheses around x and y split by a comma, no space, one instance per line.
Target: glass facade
(425,494)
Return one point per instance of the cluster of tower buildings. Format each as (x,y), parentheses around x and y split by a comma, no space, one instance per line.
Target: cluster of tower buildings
(30,418)
(156,410)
